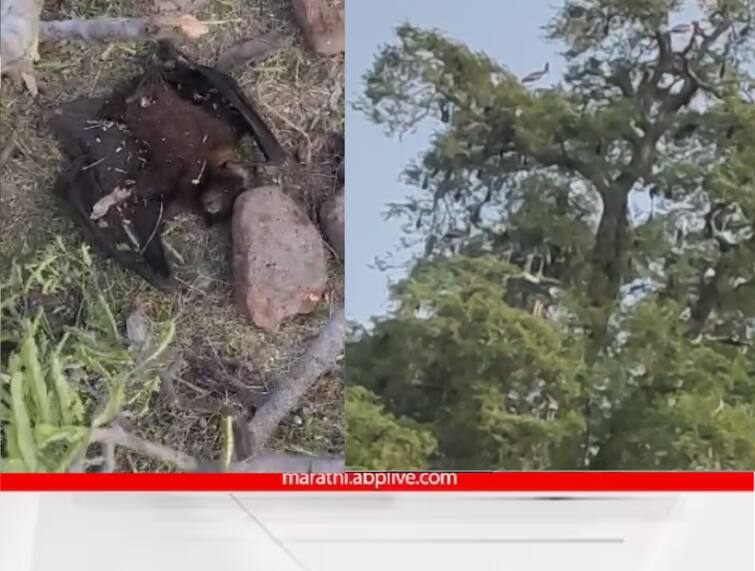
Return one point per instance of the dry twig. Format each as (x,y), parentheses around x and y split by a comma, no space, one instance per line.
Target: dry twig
(116,436)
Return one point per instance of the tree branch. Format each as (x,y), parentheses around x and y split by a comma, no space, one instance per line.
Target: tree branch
(319,358)
(710,294)
(116,436)
(289,463)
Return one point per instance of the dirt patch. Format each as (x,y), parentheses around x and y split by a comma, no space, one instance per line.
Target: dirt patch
(301,96)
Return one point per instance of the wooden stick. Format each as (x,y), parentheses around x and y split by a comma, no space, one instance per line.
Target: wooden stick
(289,463)
(106,29)
(320,358)
(116,436)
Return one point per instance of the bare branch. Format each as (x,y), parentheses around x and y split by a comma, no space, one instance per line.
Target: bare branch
(123,29)
(116,436)
(289,463)
(319,358)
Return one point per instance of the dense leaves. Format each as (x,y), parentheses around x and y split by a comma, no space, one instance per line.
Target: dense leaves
(586,295)
(379,440)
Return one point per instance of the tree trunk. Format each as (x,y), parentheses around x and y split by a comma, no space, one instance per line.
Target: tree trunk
(609,253)
(608,263)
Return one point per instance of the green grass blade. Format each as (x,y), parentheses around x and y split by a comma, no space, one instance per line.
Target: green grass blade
(113,406)
(228,444)
(22,424)
(62,389)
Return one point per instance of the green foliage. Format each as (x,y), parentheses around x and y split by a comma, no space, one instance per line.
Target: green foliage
(66,367)
(544,327)
(378,440)
(497,385)
(500,388)
(686,402)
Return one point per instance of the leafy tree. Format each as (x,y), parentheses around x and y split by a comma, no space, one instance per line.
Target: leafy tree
(381,441)
(548,323)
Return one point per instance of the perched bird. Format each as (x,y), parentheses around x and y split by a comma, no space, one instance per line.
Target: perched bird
(537,75)
(445,112)
(607,24)
(455,234)
(683,28)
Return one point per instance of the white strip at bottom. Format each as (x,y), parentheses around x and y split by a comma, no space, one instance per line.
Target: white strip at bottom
(330,532)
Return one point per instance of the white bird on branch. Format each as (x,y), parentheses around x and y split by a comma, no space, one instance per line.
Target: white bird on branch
(537,75)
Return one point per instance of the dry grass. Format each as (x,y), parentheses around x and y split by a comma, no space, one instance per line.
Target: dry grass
(302,97)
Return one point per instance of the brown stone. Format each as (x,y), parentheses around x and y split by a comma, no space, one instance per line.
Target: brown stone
(279,262)
(322,23)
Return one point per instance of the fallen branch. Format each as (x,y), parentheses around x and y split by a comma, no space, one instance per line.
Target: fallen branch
(250,51)
(320,358)
(116,436)
(289,464)
(123,29)
(276,463)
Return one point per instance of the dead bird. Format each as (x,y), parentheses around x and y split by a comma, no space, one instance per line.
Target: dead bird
(219,94)
(97,188)
(161,142)
(189,152)
(191,118)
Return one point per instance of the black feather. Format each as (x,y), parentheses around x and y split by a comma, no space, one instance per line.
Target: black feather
(211,84)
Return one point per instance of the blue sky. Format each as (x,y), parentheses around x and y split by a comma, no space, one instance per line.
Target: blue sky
(508,31)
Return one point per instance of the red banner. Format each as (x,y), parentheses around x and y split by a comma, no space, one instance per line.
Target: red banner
(391,482)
